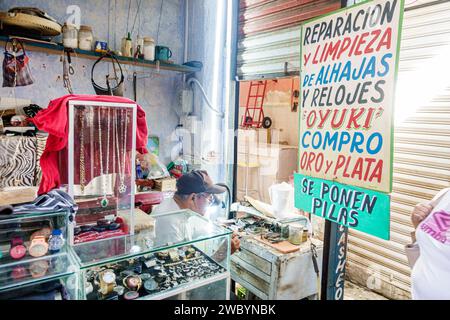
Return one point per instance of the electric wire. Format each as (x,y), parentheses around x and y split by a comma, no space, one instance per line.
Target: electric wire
(136,16)
(128,18)
(159,21)
(208,103)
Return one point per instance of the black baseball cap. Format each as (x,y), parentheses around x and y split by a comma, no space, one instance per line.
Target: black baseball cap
(197,182)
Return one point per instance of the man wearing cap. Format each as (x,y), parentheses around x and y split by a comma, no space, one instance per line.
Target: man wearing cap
(195,191)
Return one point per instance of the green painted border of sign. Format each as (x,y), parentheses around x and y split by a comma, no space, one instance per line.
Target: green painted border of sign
(375,221)
(397,60)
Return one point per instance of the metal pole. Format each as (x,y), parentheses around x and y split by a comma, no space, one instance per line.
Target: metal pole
(334,255)
(334,261)
(234,59)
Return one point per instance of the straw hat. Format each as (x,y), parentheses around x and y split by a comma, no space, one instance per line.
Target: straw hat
(32,23)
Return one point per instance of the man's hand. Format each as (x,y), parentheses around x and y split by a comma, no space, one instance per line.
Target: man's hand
(235,243)
(420,212)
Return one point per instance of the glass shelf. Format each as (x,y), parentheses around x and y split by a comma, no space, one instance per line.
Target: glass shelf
(12,218)
(54,48)
(181,253)
(35,271)
(192,285)
(25,226)
(195,229)
(30,274)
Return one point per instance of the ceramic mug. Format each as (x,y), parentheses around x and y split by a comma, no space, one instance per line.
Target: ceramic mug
(163,53)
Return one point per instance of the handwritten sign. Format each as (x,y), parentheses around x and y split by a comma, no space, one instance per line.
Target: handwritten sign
(360,209)
(349,65)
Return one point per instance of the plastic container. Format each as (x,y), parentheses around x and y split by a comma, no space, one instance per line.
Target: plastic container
(70,36)
(56,241)
(296,233)
(127,46)
(282,199)
(85,38)
(149,49)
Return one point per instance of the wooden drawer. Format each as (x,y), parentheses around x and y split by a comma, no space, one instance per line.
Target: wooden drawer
(255,261)
(258,284)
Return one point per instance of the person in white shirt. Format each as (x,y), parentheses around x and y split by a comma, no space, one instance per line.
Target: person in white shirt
(195,191)
(429,255)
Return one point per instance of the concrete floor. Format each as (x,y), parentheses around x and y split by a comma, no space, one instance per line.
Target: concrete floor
(355,292)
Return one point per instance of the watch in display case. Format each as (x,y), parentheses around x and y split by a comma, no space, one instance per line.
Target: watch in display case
(150,285)
(44,232)
(107,281)
(160,272)
(19,272)
(18,250)
(27,264)
(132,282)
(38,247)
(56,241)
(131,295)
(120,290)
(38,269)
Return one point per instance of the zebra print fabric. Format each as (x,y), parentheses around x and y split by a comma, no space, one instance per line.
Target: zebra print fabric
(17,161)
(41,140)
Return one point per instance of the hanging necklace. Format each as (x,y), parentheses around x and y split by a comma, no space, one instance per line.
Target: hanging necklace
(104,202)
(123,187)
(108,137)
(116,136)
(90,119)
(120,164)
(82,163)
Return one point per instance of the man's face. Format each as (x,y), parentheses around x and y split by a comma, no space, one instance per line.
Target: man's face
(201,202)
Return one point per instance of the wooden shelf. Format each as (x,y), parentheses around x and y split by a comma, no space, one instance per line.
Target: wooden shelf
(54,48)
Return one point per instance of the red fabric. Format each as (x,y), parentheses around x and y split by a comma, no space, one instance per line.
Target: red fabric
(54,120)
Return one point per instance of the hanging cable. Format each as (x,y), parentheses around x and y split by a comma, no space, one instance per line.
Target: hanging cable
(208,103)
(129,9)
(159,21)
(136,16)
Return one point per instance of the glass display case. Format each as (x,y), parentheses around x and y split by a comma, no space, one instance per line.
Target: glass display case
(185,256)
(35,260)
(101,169)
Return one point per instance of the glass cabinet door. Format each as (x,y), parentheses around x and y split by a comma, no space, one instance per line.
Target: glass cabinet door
(158,264)
(34,254)
(101,168)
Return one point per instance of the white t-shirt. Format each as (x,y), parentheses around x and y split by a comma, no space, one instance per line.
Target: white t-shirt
(170,229)
(431,273)
(177,228)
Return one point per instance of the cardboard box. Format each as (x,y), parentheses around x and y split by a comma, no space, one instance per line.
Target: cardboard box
(166,184)
(17,195)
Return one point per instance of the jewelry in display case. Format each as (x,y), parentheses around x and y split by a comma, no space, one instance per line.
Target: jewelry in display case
(187,265)
(37,255)
(101,168)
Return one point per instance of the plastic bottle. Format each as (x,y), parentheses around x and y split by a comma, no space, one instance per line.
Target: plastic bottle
(181,165)
(56,241)
(139,174)
(127,49)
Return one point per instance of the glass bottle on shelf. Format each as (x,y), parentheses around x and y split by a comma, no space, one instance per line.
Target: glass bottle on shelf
(85,38)
(70,36)
(149,49)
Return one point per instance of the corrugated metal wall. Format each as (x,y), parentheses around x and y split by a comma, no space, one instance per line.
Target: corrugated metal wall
(421,152)
(269,43)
